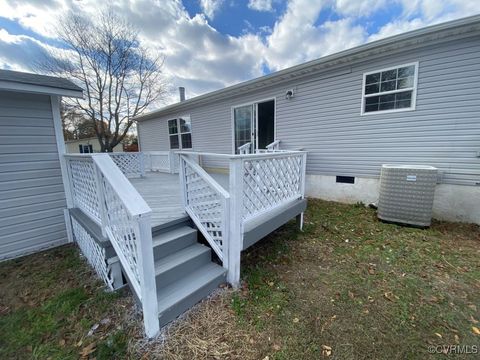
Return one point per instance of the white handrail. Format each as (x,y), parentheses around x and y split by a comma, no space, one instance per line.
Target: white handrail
(128,227)
(258,183)
(207,203)
(124,217)
(245,148)
(263,155)
(274,146)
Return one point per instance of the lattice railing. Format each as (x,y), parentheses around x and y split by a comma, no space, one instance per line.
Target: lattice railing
(83,184)
(207,203)
(269,182)
(122,229)
(102,191)
(94,253)
(257,183)
(130,163)
(126,219)
(157,161)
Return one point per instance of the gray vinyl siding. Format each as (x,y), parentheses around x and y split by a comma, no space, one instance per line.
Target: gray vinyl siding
(32,196)
(324,117)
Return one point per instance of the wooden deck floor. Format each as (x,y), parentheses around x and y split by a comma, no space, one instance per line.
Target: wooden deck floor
(161,191)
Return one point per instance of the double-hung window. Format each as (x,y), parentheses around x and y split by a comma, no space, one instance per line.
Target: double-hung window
(392,89)
(180,133)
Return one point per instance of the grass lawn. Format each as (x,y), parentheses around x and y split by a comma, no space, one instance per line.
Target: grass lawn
(348,287)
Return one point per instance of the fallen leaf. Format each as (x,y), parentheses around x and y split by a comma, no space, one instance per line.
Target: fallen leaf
(389,296)
(351,295)
(276,347)
(473,320)
(87,350)
(270,283)
(475,330)
(327,350)
(473,307)
(296,320)
(457,339)
(439,335)
(61,342)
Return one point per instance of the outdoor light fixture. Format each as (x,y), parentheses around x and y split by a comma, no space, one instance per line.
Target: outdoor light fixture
(289,94)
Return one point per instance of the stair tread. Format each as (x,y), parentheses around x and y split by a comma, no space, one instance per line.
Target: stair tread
(179,290)
(179,257)
(172,235)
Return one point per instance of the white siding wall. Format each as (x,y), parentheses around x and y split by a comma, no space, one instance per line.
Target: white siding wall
(32,197)
(324,118)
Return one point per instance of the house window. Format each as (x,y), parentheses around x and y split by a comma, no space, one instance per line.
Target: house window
(180,133)
(392,89)
(85,149)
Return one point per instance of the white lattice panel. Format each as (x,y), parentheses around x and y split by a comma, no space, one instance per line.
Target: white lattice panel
(129,163)
(160,162)
(84,186)
(123,231)
(94,253)
(207,205)
(268,182)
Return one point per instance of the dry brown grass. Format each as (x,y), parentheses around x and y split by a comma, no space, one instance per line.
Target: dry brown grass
(349,287)
(207,331)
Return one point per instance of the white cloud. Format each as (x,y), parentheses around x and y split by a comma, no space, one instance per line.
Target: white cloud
(297,38)
(358,8)
(420,13)
(35,15)
(21,52)
(203,59)
(211,7)
(260,5)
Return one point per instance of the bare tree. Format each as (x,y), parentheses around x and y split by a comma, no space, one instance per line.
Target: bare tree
(120,77)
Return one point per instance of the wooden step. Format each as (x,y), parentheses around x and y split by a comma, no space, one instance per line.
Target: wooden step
(182,294)
(181,263)
(167,243)
(171,225)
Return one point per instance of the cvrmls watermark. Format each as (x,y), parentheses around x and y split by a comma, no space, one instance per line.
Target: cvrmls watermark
(453,349)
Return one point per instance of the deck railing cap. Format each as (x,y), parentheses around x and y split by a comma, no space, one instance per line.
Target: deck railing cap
(244,156)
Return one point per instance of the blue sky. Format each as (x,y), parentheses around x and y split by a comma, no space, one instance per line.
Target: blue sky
(209,44)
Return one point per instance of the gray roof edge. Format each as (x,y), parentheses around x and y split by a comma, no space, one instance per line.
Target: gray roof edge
(269,79)
(36,80)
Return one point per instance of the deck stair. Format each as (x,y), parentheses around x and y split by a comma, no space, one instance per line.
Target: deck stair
(184,271)
(150,236)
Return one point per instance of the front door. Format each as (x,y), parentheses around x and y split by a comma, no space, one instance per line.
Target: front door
(254,124)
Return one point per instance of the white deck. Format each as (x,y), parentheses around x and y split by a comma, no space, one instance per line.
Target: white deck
(161,191)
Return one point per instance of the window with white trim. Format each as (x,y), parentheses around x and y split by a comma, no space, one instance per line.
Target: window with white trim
(392,89)
(180,133)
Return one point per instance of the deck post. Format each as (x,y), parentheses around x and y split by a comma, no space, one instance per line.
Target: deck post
(101,196)
(146,270)
(142,164)
(235,233)
(181,174)
(303,176)
(171,162)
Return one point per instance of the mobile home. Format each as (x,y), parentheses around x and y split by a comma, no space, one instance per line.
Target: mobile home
(413,98)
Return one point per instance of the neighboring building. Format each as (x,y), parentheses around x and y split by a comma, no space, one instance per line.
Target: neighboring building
(413,98)
(89,145)
(32,193)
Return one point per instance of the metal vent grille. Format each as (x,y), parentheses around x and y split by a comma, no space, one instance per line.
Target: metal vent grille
(406,194)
